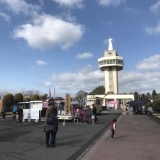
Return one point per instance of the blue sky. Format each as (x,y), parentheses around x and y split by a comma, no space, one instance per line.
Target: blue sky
(56,44)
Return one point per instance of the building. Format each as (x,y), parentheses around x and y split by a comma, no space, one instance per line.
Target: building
(111,63)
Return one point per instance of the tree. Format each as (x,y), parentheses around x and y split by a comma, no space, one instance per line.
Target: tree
(34,97)
(98,90)
(80,96)
(18,97)
(157,97)
(51,100)
(156,105)
(136,96)
(8,100)
(59,98)
(29,93)
(148,96)
(26,99)
(43,97)
(143,98)
(154,94)
(148,104)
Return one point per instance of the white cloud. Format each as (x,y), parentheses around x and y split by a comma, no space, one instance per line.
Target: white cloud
(110,2)
(70,3)
(40,62)
(156,7)
(19,6)
(141,82)
(33,68)
(47,84)
(84,55)
(86,79)
(153,30)
(86,69)
(41,2)
(149,64)
(5,16)
(78,80)
(47,31)
(132,10)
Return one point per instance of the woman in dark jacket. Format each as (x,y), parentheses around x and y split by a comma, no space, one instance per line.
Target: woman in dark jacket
(95,113)
(51,127)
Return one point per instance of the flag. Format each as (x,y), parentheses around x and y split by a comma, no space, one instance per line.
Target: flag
(49,93)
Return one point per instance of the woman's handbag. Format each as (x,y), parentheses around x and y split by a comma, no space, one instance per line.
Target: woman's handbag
(93,116)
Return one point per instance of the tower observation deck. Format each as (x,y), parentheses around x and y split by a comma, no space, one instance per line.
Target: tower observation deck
(111,63)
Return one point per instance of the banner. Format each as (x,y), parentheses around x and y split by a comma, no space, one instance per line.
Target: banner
(30,114)
(67,103)
(36,105)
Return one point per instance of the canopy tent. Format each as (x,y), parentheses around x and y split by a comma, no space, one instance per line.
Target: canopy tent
(135,103)
(113,102)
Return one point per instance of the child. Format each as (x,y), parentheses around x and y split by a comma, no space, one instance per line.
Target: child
(113,127)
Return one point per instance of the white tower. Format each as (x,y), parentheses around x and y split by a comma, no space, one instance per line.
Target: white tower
(111,63)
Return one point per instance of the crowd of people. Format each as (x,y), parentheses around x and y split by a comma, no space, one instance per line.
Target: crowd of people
(17,113)
(86,115)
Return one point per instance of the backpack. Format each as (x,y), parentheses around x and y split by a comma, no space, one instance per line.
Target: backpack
(15,109)
(50,119)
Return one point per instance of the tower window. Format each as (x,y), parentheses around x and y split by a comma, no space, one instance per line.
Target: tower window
(109,53)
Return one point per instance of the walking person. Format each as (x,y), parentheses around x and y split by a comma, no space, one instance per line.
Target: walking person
(95,113)
(50,127)
(3,112)
(20,114)
(14,111)
(113,128)
(88,115)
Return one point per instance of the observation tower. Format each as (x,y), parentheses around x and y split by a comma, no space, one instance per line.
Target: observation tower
(111,63)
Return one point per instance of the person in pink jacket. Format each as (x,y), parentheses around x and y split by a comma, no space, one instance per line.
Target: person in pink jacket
(113,128)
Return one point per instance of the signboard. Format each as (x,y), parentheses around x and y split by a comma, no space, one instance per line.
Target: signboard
(36,105)
(67,103)
(30,114)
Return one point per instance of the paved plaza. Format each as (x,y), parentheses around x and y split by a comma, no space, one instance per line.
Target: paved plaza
(26,141)
(136,138)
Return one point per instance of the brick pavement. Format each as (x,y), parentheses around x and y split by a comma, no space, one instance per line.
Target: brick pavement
(137,137)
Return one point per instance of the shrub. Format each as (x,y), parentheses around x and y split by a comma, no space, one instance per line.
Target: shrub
(156,106)
(8,100)
(34,97)
(148,104)
(26,99)
(18,97)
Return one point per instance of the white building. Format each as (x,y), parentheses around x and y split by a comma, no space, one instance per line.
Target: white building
(111,63)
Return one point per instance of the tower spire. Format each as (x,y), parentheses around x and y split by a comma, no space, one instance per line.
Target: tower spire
(110,46)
